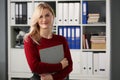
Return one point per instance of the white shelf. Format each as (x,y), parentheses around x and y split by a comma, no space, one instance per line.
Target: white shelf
(20,25)
(94,0)
(68,24)
(21,1)
(45,0)
(96,24)
(17,64)
(92,50)
(69,0)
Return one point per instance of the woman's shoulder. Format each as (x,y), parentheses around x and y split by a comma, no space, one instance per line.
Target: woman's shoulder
(27,38)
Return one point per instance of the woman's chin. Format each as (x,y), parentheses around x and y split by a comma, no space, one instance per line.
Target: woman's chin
(45,27)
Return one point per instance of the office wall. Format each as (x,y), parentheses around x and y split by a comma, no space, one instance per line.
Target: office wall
(3,69)
(115,20)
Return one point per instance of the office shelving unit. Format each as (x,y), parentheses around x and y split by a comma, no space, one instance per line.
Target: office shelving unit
(88,36)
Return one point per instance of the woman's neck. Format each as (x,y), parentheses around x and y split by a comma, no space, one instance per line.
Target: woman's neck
(46,34)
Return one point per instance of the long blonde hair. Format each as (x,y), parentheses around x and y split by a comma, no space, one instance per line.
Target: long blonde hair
(34,27)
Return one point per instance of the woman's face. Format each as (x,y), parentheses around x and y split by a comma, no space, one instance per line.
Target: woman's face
(46,19)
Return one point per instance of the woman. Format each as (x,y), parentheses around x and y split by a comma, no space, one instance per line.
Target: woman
(39,37)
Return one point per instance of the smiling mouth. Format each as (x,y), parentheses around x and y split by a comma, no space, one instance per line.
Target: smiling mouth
(44,23)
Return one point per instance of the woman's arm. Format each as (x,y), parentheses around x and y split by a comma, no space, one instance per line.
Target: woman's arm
(33,59)
(65,72)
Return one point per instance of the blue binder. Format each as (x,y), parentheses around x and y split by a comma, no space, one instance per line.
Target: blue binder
(72,35)
(73,44)
(77,37)
(84,12)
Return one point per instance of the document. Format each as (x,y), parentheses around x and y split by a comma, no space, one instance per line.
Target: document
(52,54)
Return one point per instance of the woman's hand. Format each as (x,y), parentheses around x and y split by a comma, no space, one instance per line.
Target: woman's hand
(64,63)
(46,77)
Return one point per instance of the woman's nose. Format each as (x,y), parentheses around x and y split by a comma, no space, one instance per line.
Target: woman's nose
(44,18)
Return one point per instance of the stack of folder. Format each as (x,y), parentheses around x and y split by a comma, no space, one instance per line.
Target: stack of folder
(93,17)
(93,63)
(68,13)
(72,34)
(19,13)
(98,42)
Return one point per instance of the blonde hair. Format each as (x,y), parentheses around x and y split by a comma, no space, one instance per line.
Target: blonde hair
(34,27)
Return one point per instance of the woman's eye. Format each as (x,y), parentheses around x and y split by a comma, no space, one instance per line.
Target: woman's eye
(41,16)
(47,15)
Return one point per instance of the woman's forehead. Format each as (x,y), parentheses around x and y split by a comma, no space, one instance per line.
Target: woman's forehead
(45,11)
